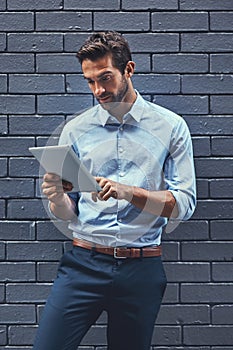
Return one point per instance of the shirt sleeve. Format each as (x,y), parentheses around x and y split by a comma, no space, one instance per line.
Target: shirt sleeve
(180,173)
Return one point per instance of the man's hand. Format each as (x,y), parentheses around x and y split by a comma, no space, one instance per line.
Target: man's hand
(112,189)
(54,188)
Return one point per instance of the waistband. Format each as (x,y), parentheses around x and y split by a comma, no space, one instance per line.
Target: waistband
(120,252)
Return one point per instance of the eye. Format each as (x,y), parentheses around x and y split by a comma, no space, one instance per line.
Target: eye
(90,82)
(106,78)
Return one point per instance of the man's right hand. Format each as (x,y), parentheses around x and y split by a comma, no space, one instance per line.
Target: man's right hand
(54,188)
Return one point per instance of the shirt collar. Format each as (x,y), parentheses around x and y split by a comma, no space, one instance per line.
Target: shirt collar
(135,112)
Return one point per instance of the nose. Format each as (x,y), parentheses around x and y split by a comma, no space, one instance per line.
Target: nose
(99,89)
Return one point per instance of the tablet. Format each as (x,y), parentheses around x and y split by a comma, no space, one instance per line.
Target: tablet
(63,161)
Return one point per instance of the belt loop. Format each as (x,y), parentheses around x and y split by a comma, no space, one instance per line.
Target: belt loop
(141,253)
(93,251)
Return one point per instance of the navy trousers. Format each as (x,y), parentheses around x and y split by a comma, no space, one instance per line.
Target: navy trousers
(129,290)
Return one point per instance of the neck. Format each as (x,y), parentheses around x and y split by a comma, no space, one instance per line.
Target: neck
(125,105)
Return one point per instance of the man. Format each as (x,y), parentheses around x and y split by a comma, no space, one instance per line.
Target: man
(141,156)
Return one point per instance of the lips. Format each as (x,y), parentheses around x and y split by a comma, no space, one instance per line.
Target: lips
(104,99)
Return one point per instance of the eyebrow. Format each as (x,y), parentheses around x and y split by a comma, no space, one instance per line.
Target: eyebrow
(99,76)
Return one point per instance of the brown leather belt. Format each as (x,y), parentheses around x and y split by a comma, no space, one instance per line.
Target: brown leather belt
(120,252)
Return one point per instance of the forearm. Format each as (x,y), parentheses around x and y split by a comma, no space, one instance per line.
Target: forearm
(65,209)
(160,203)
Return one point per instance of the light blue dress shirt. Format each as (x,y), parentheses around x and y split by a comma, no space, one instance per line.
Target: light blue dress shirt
(150,149)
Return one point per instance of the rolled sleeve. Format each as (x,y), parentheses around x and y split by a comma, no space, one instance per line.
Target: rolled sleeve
(180,173)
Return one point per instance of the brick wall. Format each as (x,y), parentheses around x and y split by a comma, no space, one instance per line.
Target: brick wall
(183,51)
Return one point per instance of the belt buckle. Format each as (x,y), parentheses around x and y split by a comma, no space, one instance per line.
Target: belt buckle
(115,254)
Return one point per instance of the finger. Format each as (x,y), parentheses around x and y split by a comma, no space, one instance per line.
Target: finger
(94,196)
(67,186)
(48,191)
(51,177)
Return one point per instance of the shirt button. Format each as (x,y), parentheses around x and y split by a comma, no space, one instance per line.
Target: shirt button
(120,220)
(121,128)
(121,174)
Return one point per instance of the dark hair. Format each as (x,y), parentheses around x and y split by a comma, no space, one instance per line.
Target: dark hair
(103,43)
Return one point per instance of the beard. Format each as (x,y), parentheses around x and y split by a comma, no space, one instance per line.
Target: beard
(114,101)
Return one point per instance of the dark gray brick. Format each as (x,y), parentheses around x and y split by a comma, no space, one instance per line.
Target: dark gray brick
(187,272)
(207,293)
(208,335)
(221,230)
(26,209)
(17,314)
(222,314)
(43,125)
(16,63)
(17,230)
(207,42)
(207,251)
(207,84)
(153,42)
(23,167)
(17,104)
(222,272)
(35,42)
(123,21)
(3,125)
(207,125)
(38,83)
(221,146)
(46,272)
(96,334)
(63,104)
(202,188)
(156,83)
(221,104)
(183,104)
(16,21)
(15,146)
(2,208)
(3,335)
(213,167)
(221,188)
(27,292)
(2,42)
(170,251)
(184,314)
(53,63)
(63,21)
(2,296)
(3,167)
(34,251)
(201,146)
(189,230)
(73,41)
(221,63)
(12,272)
(2,251)
(142,62)
(34,5)
(2,5)
(180,63)
(221,21)
(89,4)
(150,5)
(213,209)
(21,335)
(12,188)
(179,21)
(3,83)
(171,294)
(49,230)
(165,335)
(206,5)
(75,83)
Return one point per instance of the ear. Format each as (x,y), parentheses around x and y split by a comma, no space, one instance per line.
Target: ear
(129,69)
